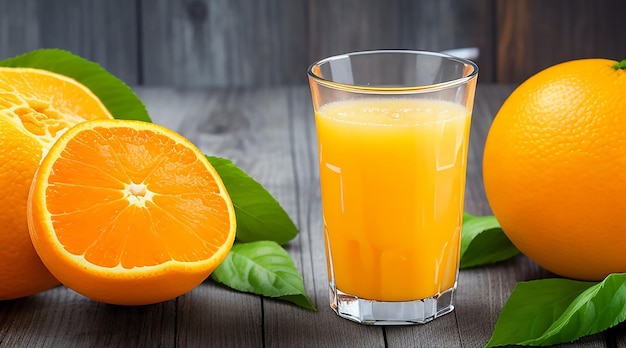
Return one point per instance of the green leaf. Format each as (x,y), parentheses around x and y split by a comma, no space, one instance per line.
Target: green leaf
(553,311)
(259,215)
(121,101)
(620,65)
(263,268)
(483,242)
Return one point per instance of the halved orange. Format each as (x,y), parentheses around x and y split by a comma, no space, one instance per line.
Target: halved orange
(128,212)
(36,107)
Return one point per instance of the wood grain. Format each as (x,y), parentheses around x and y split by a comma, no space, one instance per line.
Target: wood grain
(62,318)
(235,42)
(532,35)
(102,31)
(224,42)
(239,43)
(269,42)
(353,25)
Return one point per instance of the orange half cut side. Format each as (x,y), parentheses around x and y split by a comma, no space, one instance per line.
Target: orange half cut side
(45,104)
(129,212)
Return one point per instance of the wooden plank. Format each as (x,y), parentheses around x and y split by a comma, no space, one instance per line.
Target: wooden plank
(533,34)
(102,31)
(278,174)
(19,27)
(271,42)
(214,316)
(339,26)
(483,15)
(224,42)
(350,25)
(61,318)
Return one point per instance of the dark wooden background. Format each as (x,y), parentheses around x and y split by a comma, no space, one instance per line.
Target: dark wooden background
(271,42)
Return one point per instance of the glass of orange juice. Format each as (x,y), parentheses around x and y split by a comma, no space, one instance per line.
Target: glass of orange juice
(393,131)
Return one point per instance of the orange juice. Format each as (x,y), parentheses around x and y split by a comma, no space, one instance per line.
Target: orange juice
(392,175)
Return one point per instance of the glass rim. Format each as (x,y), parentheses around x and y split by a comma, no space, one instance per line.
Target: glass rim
(397,89)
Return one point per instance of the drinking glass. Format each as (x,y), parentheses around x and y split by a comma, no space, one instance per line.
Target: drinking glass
(393,130)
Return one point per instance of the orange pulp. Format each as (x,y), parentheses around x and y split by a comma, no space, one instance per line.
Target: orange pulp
(392,175)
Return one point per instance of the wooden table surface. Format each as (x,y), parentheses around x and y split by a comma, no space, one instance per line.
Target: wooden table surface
(270,133)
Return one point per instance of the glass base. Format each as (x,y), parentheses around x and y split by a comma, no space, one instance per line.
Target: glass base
(370,312)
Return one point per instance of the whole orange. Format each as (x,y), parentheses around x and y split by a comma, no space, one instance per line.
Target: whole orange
(36,107)
(554,168)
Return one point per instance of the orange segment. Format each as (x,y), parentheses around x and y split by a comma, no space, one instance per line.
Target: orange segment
(128,212)
(36,107)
